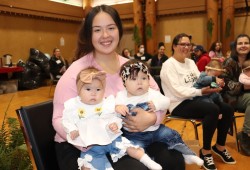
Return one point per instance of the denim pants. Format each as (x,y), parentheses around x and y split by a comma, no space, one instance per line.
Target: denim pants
(98,152)
(163,134)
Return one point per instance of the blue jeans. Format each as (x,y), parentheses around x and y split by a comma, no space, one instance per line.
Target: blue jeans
(98,153)
(163,134)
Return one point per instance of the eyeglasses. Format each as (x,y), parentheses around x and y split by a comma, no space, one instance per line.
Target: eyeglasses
(185,44)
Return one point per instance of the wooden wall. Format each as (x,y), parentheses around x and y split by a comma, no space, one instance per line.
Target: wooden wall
(40,24)
(19,34)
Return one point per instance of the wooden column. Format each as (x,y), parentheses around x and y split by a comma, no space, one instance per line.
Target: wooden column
(87,5)
(212,22)
(150,27)
(138,23)
(227,24)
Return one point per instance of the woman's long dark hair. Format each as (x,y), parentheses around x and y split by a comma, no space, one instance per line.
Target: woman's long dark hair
(234,53)
(84,43)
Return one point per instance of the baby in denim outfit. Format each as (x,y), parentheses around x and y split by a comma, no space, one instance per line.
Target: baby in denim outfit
(138,94)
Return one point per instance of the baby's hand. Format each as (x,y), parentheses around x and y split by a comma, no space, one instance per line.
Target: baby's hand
(122,109)
(74,134)
(113,127)
(151,106)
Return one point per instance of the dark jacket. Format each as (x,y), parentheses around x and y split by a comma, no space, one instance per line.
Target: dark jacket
(55,66)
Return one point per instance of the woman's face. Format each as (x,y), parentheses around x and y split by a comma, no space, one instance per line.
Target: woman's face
(57,52)
(126,53)
(242,46)
(217,46)
(183,47)
(197,53)
(105,34)
(161,50)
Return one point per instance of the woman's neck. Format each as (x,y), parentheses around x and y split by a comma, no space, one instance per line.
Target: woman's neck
(241,59)
(179,58)
(109,63)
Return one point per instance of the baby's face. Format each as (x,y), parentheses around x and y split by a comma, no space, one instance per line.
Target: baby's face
(247,72)
(137,86)
(92,93)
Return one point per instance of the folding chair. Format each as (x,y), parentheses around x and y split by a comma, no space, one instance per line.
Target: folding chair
(36,124)
(195,122)
(239,114)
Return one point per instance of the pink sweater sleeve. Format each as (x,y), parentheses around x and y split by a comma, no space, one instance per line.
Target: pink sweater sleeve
(65,89)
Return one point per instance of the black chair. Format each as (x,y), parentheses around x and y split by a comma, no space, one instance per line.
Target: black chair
(195,122)
(155,72)
(36,123)
(237,114)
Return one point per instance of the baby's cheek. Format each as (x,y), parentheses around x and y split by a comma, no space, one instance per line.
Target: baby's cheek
(247,73)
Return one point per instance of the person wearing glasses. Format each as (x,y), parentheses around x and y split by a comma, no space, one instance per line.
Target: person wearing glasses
(178,75)
(236,91)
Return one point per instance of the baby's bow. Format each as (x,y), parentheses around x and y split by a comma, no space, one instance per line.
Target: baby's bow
(88,77)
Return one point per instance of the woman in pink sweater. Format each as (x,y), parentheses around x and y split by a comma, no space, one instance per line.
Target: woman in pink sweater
(98,39)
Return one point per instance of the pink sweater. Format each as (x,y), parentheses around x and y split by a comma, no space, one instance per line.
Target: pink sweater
(66,89)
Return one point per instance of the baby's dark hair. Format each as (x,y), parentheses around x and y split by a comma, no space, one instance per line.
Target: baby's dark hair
(131,68)
(246,65)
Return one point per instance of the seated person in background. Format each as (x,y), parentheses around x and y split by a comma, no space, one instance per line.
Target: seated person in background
(126,53)
(209,78)
(158,59)
(215,51)
(90,121)
(138,94)
(192,54)
(245,75)
(178,75)
(141,55)
(202,58)
(57,64)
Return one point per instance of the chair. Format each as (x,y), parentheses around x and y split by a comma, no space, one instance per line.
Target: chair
(36,124)
(195,122)
(53,82)
(239,114)
(155,72)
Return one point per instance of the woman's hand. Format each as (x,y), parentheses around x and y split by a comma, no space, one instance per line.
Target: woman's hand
(208,90)
(220,82)
(141,121)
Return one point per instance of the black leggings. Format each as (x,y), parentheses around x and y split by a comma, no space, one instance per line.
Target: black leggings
(67,156)
(209,113)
